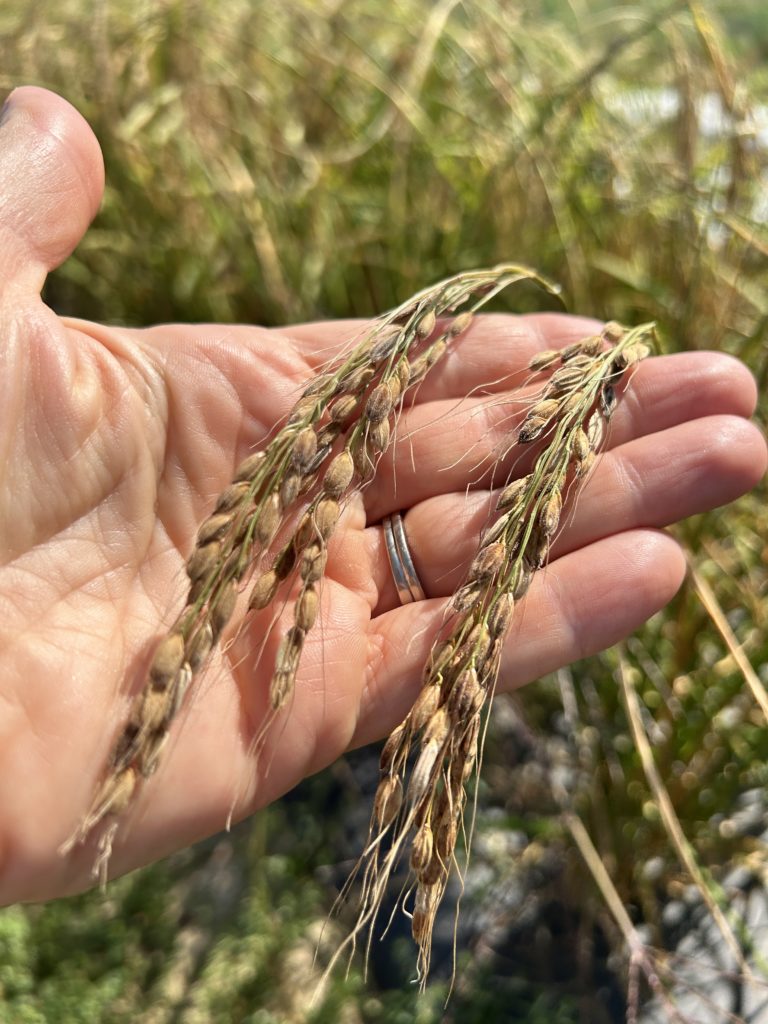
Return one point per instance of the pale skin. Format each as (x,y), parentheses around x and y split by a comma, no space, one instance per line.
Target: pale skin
(115,444)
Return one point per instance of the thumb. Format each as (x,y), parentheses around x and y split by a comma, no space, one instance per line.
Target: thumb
(51,184)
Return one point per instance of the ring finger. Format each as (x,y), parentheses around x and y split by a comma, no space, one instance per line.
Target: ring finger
(648,482)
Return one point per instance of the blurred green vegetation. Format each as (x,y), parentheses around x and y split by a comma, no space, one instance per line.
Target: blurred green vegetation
(276,162)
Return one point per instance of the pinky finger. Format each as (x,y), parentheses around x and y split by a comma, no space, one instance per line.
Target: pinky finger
(579,605)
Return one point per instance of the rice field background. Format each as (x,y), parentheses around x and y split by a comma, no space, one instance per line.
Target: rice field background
(271,163)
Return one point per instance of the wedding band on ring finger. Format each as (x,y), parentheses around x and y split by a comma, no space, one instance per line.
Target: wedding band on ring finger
(404,573)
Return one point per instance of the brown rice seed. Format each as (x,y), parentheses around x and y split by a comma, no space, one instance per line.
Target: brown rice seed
(267,520)
(307,605)
(124,750)
(612,332)
(289,488)
(445,840)
(421,848)
(359,380)
(426,325)
(289,651)
(576,348)
(313,561)
(523,582)
(339,474)
(304,448)
(379,403)
(460,324)
(512,493)
(532,429)
(549,518)
(388,800)
(249,468)
(264,590)
(326,516)
(343,408)
(379,436)
(199,645)
(403,372)
(385,344)
(425,706)
(465,597)
(232,496)
(438,726)
(500,615)
(214,527)
(592,346)
(167,661)
(543,360)
(466,696)
(545,409)
(203,561)
(566,378)
(496,531)
(223,608)
(303,409)
(391,747)
(154,709)
(488,561)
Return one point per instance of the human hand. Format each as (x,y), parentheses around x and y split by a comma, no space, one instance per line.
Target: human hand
(116,443)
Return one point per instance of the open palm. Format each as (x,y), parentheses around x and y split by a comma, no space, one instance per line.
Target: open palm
(115,444)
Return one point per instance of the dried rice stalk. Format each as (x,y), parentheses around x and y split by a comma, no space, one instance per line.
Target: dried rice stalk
(426,762)
(327,449)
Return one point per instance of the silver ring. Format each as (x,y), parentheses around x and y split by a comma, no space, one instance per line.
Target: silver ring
(404,573)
